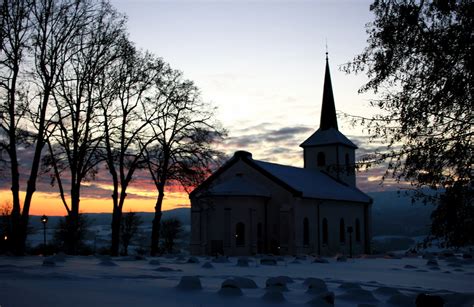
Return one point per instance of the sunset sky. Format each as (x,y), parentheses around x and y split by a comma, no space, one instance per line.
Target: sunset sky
(261,63)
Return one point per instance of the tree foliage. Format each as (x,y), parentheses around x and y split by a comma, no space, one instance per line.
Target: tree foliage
(129,229)
(453,218)
(171,228)
(419,60)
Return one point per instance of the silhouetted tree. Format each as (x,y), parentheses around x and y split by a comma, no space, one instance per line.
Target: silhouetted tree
(5,225)
(453,218)
(170,230)
(419,60)
(40,34)
(15,24)
(125,121)
(77,128)
(76,232)
(129,229)
(184,132)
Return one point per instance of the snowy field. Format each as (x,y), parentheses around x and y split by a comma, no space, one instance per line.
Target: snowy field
(102,281)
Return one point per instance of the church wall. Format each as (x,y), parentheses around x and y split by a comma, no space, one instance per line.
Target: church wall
(306,208)
(334,155)
(334,211)
(279,211)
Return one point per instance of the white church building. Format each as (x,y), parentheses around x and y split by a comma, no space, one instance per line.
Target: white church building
(250,206)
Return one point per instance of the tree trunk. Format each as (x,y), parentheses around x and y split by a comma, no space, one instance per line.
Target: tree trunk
(116,220)
(155,232)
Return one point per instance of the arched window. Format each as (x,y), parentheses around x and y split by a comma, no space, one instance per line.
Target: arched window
(342,231)
(321,159)
(240,234)
(305,231)
(325,231)
(357,230)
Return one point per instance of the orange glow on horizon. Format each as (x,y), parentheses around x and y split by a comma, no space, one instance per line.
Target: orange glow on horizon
(51,204)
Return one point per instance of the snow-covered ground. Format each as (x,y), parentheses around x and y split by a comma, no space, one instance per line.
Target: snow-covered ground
(101,281)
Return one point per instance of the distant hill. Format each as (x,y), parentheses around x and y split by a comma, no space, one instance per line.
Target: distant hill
(394,214)
(183,214)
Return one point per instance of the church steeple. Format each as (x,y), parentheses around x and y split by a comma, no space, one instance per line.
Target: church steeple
(328,109)
(327,149)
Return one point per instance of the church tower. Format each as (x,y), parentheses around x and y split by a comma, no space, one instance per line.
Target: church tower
(328,150)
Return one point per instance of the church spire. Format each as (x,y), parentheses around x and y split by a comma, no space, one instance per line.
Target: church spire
(328,109)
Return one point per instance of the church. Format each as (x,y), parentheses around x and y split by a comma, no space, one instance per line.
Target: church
(250,207)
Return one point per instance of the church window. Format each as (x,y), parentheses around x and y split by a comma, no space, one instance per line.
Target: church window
(325,231)
(321,159)
(342,232)
(357,230)
(240,234)
(305,231)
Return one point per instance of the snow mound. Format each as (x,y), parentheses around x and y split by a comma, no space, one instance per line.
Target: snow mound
(60,257)
(273,296)
(320,260)
(49,261)
(349,285)
(268,261)
(166,269)
(401,300)
(300,257)
(432,262)
(277,283)
(409,266)
(323,300)
(189,283)
(154,262)
(180,258)
(243,262)
(230,288)
(359,295)
(107,262)
(245,283)
(220,259)
(340,258)
(315,285)
(386,291)
(193,260)
(295,262)
(429,300)
(207,265)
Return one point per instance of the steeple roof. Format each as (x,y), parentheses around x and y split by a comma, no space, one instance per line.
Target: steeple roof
(328,132)
(328,109)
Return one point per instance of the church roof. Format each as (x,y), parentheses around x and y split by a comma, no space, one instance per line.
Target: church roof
(301,182)
(238,186)
(312,183)
(327,137)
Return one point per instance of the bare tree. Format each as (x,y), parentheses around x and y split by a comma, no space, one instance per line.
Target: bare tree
(129,229)
(183,131)
(171,228)
(125,119)
(77,129)
(39,35)
(14,34)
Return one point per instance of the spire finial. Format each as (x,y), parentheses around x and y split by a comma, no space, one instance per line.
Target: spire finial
(326,49)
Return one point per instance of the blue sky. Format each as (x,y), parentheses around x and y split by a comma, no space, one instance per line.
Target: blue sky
(260,62)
